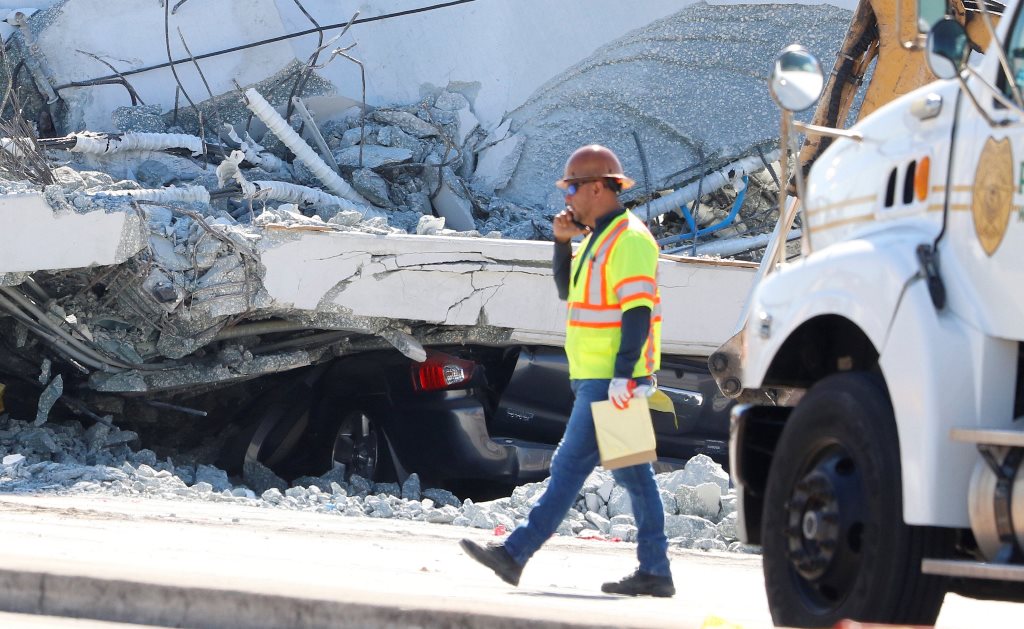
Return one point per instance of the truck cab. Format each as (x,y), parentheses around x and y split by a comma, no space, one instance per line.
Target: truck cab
(877,450)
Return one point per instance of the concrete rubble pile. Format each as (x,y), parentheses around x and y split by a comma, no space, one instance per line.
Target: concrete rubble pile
(398,172)
(214,197)
(435,166)
(65,459)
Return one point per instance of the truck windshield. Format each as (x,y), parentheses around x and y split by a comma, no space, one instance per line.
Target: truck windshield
(1015,56)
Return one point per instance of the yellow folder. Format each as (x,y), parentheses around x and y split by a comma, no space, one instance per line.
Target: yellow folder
(624,436)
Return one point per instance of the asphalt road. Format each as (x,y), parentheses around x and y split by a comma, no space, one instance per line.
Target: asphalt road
(178,564)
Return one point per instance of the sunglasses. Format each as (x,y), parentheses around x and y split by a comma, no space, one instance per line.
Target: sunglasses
(575,186)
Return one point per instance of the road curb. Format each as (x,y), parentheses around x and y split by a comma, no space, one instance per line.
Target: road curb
(117,600)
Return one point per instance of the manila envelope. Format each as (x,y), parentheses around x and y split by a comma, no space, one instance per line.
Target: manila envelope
(624,436)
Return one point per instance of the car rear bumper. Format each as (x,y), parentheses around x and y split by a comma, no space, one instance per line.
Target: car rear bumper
(445,437)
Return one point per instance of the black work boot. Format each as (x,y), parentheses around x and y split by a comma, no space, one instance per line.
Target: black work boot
(495,557)
(641,584)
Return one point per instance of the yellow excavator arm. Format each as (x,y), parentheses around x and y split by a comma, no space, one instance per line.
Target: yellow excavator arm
(873,33)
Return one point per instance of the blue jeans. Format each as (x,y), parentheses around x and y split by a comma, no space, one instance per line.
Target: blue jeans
(574,460)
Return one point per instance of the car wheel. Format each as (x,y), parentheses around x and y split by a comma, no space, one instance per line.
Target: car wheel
(360,445)
(834,540)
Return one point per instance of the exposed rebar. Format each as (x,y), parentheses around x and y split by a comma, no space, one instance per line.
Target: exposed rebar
(272,40)
(318,137)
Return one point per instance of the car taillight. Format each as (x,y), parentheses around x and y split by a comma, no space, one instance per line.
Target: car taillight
(441,371)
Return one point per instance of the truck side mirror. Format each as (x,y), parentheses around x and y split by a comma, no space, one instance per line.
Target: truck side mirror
(947,49)
(796,79)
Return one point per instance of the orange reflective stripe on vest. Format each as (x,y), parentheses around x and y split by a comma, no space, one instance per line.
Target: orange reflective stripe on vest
(595,293)
(636,287)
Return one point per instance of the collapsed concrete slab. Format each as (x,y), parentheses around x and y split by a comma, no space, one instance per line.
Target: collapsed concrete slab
(690,85)
(242,231)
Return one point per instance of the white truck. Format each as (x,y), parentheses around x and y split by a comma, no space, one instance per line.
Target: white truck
(877,452)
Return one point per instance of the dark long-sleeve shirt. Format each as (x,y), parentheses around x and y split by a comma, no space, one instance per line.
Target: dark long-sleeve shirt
(636,322)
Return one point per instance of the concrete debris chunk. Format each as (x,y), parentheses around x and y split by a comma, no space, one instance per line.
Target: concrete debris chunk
(496,135)
(619,503)
(430,225)
(360,486)
(727,527)
(453,203)
(372,186)
(687,527)
(215,477)
(442,497)
(48,398)
(497,163)
(96,437)
(702,469)
(405,121)
(12,460)
(261,479)
(352,137)
(598,520)
(373,156)
(703,500)
(390,489)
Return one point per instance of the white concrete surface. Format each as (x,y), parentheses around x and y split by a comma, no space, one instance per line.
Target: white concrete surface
(239,556)
(43,239)
(466,281)
(500,51)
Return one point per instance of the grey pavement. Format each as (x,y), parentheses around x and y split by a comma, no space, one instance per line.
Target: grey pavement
(179,564)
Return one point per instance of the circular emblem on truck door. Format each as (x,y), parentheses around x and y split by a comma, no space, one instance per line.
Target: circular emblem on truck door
(993,193)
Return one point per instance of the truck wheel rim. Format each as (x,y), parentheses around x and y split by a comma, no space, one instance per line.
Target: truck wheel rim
(356,446)
(825,526)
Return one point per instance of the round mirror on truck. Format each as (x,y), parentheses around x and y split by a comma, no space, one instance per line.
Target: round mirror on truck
(796,79)
(947,49)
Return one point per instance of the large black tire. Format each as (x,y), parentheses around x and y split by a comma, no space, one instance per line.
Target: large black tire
(834,540)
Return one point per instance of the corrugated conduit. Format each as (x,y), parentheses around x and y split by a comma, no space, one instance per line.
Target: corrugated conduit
(185,194)
(97,144)
(293,193)
(303,151)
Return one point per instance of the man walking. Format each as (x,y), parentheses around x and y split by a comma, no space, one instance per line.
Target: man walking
(613,343)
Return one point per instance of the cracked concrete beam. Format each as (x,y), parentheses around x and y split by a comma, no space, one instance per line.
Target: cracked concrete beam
(52,240)
(468,282)
(437,257)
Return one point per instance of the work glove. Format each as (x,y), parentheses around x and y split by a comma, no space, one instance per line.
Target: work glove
(620,390)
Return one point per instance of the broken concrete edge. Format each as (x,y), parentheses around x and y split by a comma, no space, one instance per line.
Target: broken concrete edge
(53,593)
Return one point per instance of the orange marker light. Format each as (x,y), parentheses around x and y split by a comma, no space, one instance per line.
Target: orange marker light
(921,178)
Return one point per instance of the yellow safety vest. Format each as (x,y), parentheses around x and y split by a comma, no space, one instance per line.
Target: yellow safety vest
(619,273)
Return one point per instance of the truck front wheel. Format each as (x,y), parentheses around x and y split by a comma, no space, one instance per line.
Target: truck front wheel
(834,540)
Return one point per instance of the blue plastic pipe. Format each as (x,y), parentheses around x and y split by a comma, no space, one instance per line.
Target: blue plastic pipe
(725,222)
